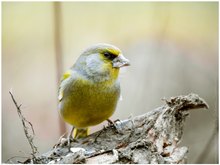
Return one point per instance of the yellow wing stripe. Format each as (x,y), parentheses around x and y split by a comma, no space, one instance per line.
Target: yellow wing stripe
(64,77)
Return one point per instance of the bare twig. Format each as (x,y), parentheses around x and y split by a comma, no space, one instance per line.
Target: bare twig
(26,125)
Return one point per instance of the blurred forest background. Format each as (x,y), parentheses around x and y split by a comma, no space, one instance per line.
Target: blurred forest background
(172,46)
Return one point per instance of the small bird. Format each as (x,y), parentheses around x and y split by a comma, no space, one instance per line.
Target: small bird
(90,89)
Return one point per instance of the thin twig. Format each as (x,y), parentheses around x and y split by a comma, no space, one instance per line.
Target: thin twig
(25,124)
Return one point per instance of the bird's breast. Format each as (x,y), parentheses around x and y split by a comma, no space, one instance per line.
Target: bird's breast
(87,103)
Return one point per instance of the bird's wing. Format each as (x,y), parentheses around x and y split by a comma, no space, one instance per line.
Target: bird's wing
(64,80)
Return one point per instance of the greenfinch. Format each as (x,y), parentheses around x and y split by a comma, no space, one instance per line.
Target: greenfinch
(90,89)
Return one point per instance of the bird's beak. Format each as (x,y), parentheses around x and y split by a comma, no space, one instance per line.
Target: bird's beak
(120,61)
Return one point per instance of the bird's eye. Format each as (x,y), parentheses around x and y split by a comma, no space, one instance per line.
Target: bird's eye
(109,55)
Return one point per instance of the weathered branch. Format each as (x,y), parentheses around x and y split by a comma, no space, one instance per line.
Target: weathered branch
(26,126)
(149,138)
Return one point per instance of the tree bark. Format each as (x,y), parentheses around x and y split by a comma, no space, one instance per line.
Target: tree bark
(153,138)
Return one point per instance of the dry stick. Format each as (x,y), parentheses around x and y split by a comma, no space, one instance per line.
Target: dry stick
(25,124)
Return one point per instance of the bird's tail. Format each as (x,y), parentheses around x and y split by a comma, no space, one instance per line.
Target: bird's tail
(80,133)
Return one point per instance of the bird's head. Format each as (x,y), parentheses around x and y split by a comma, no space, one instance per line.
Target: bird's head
(108,54)
(102,61)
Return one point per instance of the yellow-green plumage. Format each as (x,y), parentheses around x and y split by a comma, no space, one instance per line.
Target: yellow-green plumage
(89,91)
(87,103)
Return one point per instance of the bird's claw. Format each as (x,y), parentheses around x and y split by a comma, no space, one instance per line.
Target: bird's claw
(70,140)
(115,125)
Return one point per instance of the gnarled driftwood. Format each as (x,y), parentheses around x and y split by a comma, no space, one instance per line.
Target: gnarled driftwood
(149,138)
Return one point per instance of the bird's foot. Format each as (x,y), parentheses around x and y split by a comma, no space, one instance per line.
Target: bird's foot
(70,138)
(115,124)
